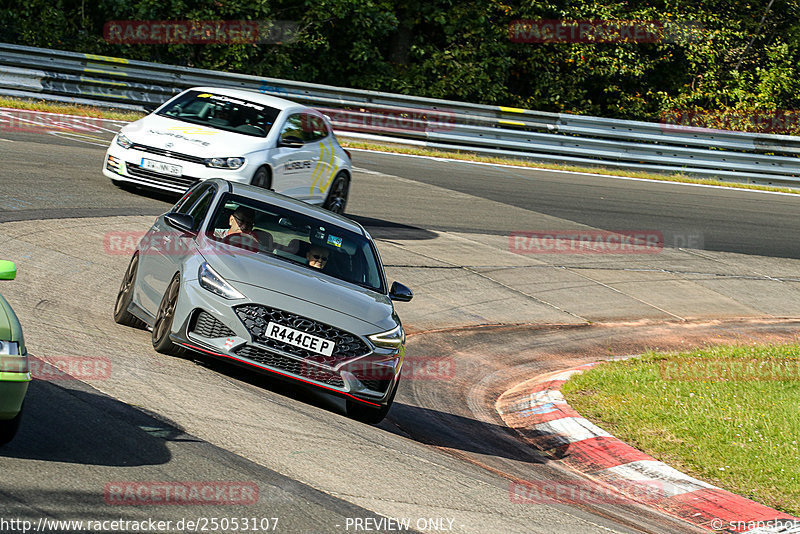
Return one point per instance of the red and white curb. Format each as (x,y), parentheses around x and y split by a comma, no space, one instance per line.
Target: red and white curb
(537,410)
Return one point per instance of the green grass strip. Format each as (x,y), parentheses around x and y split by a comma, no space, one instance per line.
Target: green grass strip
(729,415)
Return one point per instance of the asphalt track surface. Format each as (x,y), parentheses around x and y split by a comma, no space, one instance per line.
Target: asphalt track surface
(45,181)
(440,453)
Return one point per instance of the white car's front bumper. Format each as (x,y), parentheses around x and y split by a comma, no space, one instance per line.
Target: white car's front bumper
(125,165)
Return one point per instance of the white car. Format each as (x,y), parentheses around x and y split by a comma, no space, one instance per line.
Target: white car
(238,135)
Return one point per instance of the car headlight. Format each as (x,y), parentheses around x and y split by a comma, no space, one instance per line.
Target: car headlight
(391,339)
(123,141)
(10,360)
(211,281)
(224,163)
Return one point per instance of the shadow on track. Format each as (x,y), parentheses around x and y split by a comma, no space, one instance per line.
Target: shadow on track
(383,229)
(424,425)
(74,425)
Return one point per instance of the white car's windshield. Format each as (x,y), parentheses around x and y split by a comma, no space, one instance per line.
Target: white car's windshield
(263,228)
(222,112)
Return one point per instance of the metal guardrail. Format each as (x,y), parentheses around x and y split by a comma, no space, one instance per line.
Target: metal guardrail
(440,124)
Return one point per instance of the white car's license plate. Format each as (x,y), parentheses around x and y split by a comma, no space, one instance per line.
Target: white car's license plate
(297,338)
(161,167)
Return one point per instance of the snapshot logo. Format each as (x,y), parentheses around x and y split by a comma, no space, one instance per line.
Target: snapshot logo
(398,120)
(586,242)
(180,493)
(602,31)
(786,122)
(730,370)
(768,525)
(583,492)
(55,368)
(200,31)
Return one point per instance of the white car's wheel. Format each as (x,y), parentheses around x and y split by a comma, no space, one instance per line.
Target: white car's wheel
(338,193)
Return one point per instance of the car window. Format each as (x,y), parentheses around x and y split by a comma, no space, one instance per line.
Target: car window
(200,208)
(305,126)
(222,112)
(314,127)
(190,198)
(293,127)
(295,238)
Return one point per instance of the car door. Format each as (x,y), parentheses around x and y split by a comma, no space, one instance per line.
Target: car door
(164,249)
(319,137)
(293,167)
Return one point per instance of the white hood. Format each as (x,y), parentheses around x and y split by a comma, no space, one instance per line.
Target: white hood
(188,138)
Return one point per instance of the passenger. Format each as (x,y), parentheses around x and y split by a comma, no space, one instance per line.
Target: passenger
(317,257)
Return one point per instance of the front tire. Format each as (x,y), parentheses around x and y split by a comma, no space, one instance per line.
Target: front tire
(338,193)
(164,318)
(367,414)
(262,178)
(125,296)
(9,428)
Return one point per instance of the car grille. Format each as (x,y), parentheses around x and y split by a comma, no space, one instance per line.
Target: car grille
(160,179)
(207,325)
(168,153)
(256,317)
(290,365)
(377,385)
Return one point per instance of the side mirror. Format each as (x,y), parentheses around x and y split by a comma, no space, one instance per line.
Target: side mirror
(149,108)
(291,141)
(400,293)
(8,271)
(180,221)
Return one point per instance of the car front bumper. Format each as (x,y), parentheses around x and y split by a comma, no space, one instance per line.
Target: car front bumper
(368,377)
(124,165)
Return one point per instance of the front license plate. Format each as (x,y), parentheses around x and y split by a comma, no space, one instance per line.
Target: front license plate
(161,167)
(297,338)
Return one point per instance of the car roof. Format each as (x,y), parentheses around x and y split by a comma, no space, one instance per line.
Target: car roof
(291,204)
(252,96)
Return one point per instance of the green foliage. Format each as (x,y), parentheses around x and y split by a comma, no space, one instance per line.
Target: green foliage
(462,51)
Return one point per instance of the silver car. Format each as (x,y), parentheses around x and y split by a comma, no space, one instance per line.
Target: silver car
(266,281)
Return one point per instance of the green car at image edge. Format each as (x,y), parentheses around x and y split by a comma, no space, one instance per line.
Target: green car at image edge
(14,373)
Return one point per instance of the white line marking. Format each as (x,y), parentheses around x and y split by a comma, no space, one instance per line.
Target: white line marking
(572,429)
(672,481)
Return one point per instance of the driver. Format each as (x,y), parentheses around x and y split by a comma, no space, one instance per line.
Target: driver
(240,222)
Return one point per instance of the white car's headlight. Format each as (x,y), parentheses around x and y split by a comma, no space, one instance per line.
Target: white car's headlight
(123,141)
(211,281)
(224,163)
(391,339)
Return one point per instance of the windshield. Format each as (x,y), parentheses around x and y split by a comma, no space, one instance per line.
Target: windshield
(222,112)
(314,244)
